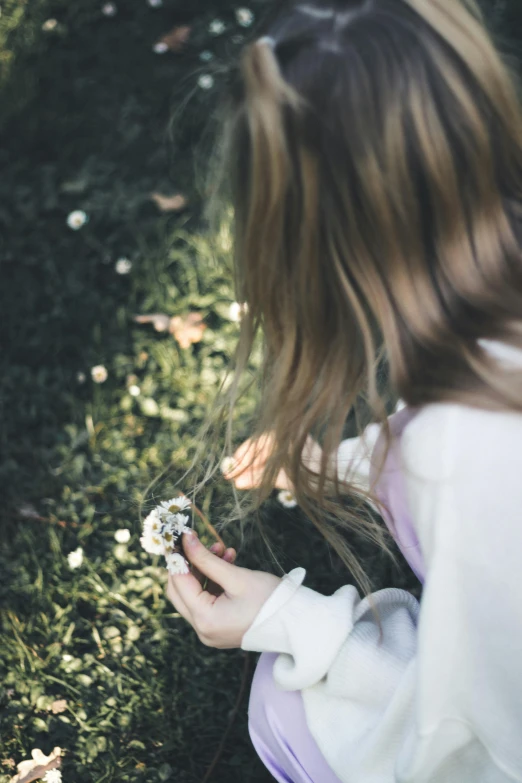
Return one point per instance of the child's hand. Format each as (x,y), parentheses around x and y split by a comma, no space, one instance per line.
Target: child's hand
(229,555)
(219,621)
(249,463)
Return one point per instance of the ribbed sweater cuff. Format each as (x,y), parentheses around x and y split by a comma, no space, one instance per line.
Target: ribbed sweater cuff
(306,627)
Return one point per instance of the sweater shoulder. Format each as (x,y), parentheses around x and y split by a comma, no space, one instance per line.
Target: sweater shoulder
(426,443)
(444,440)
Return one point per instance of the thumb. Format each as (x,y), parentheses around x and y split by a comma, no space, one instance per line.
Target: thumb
(222,573)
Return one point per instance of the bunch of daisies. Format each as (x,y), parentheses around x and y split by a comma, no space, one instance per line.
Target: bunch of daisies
(162,531)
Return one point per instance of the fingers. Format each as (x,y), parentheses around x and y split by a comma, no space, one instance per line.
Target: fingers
(228,554)
(217,569)
(249,461)
(173,593)
(176,600)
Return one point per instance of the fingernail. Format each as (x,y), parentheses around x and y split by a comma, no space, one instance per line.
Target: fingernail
(192,537)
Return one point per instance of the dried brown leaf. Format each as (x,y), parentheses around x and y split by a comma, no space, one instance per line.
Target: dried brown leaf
(176,38)
(169,203)
(36,767)
(160,321)
(187,329)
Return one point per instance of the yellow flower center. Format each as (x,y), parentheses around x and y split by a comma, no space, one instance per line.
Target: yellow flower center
(174,509)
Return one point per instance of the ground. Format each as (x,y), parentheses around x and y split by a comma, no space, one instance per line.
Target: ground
(93,659)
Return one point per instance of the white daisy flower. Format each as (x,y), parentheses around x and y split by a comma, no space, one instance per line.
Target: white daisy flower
(53,776)
(153,543)
(123,266)
(244,17)
(109,9)
(134,390)
(228,465)
(206,56)
(160,48)
(152,523)
(176,564)
(206,81)
(75,558)
(237,310)
(122,536)
(77,219)
(149,406)
(49,25)
(216,27)
(287,498)
(99,373)
(174,505)
(80,377)
(179,523)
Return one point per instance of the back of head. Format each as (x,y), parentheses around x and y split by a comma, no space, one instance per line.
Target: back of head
(377,156)
(375,151)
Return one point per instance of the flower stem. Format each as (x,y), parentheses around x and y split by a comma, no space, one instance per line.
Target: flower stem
(211,529)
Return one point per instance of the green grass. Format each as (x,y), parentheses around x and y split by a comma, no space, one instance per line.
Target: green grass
(89,126)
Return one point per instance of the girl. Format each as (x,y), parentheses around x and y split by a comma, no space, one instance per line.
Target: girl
(376,168)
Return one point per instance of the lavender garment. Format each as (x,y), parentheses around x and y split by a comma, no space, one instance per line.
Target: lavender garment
(390,488)
(276,718)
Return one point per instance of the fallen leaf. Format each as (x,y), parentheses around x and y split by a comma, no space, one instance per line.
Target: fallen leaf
(60,705)
(176,38)
(169,203)
(160,321)
(187,329)
(37,766)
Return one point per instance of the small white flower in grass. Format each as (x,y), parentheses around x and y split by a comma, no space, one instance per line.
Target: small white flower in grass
(160,47)
(99,373)
(134,390)
(174,505)
(77,219)
(244,17)
(216,27)
(237,310)
(80,377)
(122,536)
(109,9)
(206,56)
(206,81)
(53,776)
(176,564)
(155,3)
(28,511)
(75,558)
(67,658)
(287,498)
(123,266)
(49,25)
(227,465)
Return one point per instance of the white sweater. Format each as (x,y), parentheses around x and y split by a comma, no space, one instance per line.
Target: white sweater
(440,699)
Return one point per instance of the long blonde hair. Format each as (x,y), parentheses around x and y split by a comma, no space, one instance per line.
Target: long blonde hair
(374,155)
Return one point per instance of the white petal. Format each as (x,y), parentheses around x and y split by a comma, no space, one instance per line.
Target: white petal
(122,536)
(75,559)
(287,499)
(176,564)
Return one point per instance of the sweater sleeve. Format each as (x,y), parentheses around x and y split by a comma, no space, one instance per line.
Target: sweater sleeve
(436,697)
